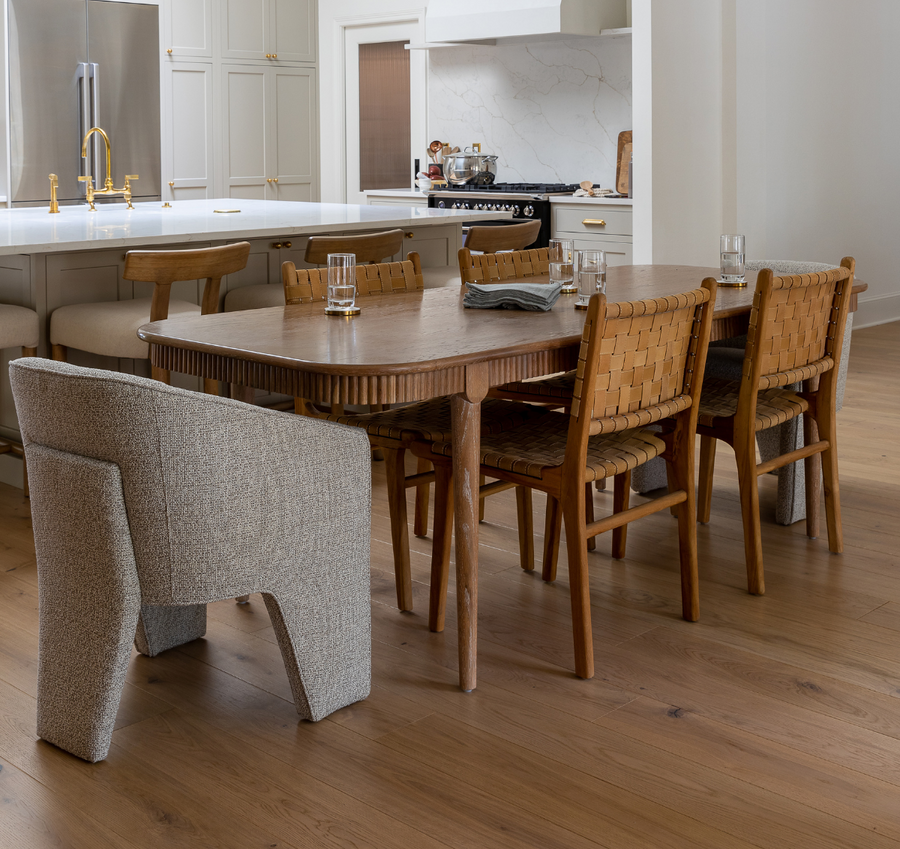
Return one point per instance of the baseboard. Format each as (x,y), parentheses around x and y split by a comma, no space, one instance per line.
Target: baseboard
(881,309)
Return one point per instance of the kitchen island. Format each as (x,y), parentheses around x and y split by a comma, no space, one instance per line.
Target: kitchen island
(77,256)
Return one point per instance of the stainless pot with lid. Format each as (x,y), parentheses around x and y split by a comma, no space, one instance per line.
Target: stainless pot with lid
(470,166)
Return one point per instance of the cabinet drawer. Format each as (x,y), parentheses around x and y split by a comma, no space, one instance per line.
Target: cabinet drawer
(618,251)
(586,218)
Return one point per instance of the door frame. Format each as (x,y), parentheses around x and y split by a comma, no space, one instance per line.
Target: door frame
(334,132)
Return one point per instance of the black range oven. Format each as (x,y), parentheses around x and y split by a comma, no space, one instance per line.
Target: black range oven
(526,202)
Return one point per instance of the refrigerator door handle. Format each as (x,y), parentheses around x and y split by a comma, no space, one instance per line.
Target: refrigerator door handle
(94,70)
(84,118)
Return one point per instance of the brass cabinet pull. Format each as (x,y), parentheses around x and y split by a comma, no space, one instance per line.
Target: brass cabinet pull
(409,235)
(171,182)
(275,180)
(169,51)
(598,221)
(268,179)
(279,245)
(274,55)
(268,55)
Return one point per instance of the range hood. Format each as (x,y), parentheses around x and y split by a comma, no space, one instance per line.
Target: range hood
(520,20)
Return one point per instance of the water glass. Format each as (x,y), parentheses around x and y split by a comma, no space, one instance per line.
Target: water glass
(341,285)
(591,276)
(562,264)
(731,252)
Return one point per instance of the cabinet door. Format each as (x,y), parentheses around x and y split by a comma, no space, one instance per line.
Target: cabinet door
(188,154)
(436,246)
(188,28)
(292,152)
(292,25)
(245,29)
(245,119)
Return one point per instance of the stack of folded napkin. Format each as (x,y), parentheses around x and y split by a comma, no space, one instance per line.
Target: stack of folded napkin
(511,296)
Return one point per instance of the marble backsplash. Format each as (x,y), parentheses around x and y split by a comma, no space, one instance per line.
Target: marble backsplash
(551,111)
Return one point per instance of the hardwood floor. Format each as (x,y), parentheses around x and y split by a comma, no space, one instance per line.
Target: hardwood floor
(772,722)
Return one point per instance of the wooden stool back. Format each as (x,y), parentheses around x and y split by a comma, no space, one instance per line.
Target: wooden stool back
(502,237)
(369,247)
(500,267)
(167,267)
(304,285)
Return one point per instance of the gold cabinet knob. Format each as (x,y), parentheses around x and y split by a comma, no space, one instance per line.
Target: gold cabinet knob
(268,179)
(598,221)
(274,55)
(409,235)
(279,245)
(169,51)
(172,183)
(289,244)
(268,55)
(275,180)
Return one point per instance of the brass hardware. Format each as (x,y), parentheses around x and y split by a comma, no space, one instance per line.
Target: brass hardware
(108,188)
(268,179)
(598,221)
(54,185)
(226,211)
(268,55)
(167,205)
(274,55)
(275,180)
(289,244)
(409,235)
(169,51)
(279,245)
(172,183)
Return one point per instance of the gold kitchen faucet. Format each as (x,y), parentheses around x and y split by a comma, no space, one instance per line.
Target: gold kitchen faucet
(108,189)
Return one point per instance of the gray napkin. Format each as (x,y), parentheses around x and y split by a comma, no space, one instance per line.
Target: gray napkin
(511,296)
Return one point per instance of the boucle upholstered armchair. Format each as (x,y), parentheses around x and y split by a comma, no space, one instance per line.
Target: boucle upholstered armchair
(149,501)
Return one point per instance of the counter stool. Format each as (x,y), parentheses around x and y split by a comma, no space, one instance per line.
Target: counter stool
(369,248)
(109,328)
(19,328)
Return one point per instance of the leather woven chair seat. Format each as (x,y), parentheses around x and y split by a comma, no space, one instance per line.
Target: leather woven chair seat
(109,328)
(773,406)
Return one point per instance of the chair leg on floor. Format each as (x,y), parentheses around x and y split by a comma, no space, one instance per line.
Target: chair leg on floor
(748,484)
(589,513)
(621,497)
(396,490)
(420,522)
(576,547)
(440,551)
(525,516)
(707,466)
(682,476)
(832,488)
(812,468)
(60,353)
(552,528)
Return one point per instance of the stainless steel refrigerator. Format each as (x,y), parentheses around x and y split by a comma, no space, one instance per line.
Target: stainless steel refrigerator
(77,64)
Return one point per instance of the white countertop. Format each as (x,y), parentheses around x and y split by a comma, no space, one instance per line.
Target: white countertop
(607,201)
(34,230)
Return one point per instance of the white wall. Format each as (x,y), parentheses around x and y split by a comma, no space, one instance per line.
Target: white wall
(552,111)
(779,119)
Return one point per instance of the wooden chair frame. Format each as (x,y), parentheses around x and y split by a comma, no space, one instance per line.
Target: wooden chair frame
(603,376)
(369,248)
(502,237)
(788,342)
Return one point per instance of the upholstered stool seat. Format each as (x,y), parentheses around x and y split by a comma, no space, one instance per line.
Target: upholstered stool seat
(108,328)
(18,327)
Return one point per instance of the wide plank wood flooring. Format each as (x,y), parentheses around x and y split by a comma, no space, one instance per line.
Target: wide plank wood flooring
(772,722)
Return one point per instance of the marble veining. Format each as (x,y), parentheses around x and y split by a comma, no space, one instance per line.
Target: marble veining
(552,111)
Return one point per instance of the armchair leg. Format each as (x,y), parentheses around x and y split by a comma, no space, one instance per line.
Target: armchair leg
(59,352)
(621,497)
(440,550)
(163,627)
(88,614)
(552,529)
(576,548)
(707,466)
(832,488)
(420,520)
(525,516)
(812,472)
(326,646)
(748,484)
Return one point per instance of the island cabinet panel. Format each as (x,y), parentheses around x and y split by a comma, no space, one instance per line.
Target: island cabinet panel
(436,246)
(270,150)
(189,142)
(188,28)
(596,226)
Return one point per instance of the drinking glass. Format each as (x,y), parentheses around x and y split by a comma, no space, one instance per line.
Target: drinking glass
(591,276)
(341,285)
(562,264)
(731,252)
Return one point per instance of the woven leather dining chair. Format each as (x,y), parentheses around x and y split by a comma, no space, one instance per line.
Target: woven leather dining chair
(394,431)
(110,328)
(149,501)
(369,248)
(640,363)
(796,334)
(501,267)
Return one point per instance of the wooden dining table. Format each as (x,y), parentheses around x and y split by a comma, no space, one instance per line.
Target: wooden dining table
(410,347)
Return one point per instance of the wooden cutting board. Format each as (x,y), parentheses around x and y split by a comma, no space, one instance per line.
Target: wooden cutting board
(623,158)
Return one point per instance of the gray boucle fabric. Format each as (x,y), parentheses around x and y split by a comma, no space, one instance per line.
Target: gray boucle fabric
(218,499)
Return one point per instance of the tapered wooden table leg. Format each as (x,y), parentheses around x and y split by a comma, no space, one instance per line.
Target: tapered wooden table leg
(466,423)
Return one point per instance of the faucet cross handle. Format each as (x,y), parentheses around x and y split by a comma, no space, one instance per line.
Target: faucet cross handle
(87,178)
